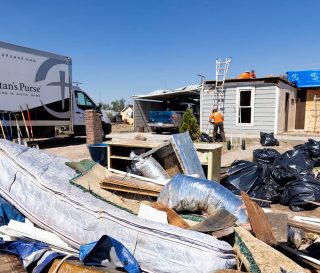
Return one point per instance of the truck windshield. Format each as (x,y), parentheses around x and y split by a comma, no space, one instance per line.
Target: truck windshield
(83,101)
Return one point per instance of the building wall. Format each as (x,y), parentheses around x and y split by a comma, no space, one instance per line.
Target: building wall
(264,108)
(312,116)
(283,90)
(140,113)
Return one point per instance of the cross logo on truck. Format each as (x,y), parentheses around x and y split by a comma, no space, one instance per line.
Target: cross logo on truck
(42,74)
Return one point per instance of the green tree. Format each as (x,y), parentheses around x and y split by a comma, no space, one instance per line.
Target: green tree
(116,105)
(190,124)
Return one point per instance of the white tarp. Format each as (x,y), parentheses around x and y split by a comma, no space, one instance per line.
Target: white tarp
(37,184)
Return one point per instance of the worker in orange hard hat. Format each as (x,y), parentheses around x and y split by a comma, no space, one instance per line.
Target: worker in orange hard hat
(247,75)
(216,119)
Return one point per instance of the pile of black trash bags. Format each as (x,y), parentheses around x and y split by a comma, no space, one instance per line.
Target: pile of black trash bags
(280,178)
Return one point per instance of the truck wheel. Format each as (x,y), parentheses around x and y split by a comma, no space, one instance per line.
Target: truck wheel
(243,144)
(158,131)
(229,145)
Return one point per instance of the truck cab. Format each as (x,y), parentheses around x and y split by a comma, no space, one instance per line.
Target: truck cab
(82,102)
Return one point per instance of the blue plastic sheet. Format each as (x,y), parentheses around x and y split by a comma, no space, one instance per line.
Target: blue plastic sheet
(31,254)
(108,252)
(304,79)
(8,212)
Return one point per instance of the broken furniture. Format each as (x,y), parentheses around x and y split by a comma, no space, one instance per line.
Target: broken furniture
(210,158)
(166,154)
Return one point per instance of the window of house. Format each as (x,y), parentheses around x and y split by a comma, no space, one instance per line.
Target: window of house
(245,106)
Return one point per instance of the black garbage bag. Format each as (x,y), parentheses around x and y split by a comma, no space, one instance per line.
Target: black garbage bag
(312,149)
(243,176)
(283,175)
(254,179)
(265,156)
(268,139)
(267,189)
(205,138)
(304,188)
(295,159)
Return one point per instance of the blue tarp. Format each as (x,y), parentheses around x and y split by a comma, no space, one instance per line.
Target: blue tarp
(108,252)
(35,256)
(304,79)
(8,212)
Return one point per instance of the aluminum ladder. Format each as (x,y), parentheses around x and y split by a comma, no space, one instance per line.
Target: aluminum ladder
(222,67)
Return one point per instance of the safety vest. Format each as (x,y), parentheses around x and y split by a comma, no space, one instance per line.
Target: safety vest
(217,117)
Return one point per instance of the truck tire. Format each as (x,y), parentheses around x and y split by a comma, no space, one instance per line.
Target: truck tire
(106,128)
(158,131)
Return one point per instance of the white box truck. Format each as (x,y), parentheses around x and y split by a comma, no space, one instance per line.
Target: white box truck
(43,82)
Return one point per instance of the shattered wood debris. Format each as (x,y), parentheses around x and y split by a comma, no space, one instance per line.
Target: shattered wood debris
(257,256)
(259,221)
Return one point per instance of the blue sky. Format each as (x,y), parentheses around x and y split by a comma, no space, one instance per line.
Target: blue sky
(125,47)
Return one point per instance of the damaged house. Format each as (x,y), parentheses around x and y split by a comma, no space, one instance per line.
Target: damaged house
(252,106)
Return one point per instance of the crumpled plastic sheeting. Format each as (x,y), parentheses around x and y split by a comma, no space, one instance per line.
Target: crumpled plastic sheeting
(186,193)
(37,184)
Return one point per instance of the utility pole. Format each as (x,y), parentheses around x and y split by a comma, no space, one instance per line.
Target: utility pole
(202,77)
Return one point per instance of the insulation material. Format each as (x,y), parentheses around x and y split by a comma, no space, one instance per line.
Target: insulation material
(37,184)
(186,193)
(149,167)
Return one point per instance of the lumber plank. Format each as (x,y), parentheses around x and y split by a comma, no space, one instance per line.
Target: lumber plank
(304,226)
(257,256)
(220,220)
(173,217)
(259,221)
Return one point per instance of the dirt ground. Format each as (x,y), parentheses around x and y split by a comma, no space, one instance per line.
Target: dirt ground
(76,149)
(120,128)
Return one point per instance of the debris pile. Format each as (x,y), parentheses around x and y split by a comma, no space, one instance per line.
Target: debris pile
(162,214)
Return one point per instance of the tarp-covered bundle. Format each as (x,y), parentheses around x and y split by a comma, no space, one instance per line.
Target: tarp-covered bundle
(37,184)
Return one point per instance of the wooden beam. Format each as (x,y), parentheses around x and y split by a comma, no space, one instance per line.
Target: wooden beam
(259,221)
(257,256)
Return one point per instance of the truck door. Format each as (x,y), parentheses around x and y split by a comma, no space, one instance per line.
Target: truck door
(82,103)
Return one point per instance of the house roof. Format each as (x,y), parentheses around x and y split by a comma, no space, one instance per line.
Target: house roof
(187,92)
(124,109)
(264,80)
